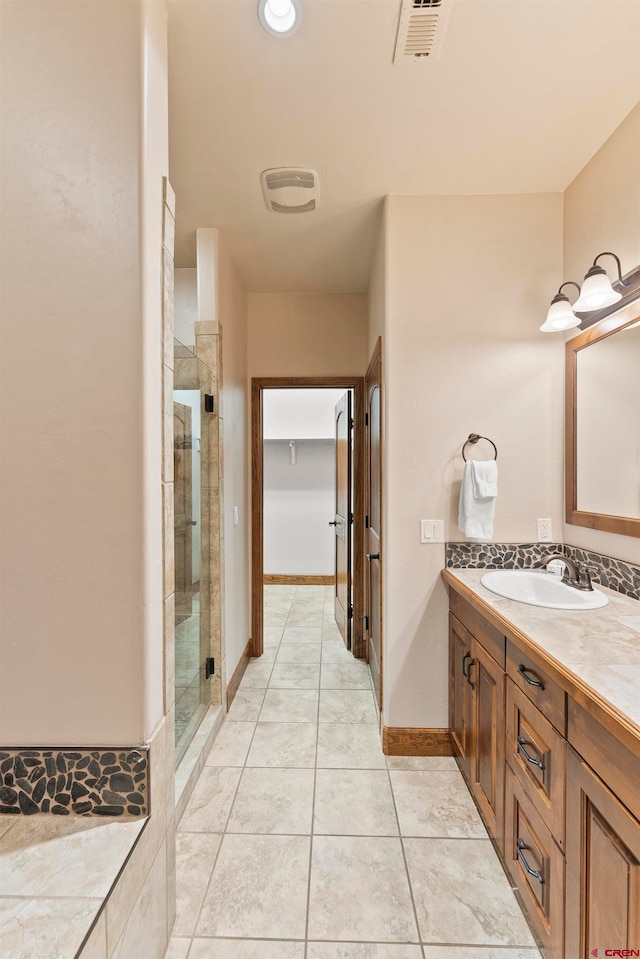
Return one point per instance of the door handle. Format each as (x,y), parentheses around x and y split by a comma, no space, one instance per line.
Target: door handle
(333,522)
(466,656)
(472,663)
(371,556)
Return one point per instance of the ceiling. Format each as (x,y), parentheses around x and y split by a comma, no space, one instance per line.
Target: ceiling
(521,94)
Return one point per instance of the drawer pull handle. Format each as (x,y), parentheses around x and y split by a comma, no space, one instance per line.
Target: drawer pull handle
(472,663)
(532,872)
(530,759)
(532,682)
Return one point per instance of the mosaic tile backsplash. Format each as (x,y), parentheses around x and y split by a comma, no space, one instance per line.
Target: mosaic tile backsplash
(82,782)
(613,573)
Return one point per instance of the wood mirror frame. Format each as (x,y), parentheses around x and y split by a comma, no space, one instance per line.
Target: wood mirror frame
(626,525)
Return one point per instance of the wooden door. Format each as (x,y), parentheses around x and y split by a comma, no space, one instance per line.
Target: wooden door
(603,867)
(460,694)
(487,681)
(183,499)
(373,519)
(343,519)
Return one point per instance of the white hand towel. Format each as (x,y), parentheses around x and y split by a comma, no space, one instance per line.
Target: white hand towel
(484,476)
(475,516)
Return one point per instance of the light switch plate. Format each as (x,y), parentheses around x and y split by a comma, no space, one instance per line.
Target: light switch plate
(235,516)
(432,531)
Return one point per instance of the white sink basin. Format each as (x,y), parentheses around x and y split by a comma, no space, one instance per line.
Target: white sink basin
(539,588)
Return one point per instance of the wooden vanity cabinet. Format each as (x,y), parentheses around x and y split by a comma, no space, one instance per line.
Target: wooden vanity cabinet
(476,710)
(556,777)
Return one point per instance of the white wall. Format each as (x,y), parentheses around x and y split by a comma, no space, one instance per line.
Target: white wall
(602,212)
(299,502)
(293,414)
(467,281)
(186,306)
(81,403)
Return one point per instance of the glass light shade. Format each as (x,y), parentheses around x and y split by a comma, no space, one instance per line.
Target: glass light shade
(597,293)
(279,17)
(560,317)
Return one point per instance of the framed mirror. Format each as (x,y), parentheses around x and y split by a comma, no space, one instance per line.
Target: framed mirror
(602,428)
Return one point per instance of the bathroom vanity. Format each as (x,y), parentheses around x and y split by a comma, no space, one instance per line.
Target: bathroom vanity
(544,714)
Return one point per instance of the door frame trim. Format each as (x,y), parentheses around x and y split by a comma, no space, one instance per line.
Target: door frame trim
(258,385)
(375,366)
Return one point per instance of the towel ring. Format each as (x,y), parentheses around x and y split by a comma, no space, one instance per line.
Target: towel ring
(473,438)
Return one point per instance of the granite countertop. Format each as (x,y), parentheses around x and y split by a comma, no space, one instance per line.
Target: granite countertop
(601,647)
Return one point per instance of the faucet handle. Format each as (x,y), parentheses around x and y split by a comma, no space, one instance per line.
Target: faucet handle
(585,569)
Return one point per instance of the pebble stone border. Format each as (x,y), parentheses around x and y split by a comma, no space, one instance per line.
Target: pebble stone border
(82,782)
(614,573)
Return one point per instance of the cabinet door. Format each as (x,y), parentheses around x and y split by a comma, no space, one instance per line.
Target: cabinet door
(460,693)
(487,680)
(603,867)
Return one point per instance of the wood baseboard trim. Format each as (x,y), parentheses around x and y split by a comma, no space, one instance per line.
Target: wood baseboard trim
(280,579)
(408,741)
(236,679)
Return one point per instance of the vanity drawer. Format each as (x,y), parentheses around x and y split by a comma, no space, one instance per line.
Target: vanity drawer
(536,866)
(537,755)
(537,686)
(487,635)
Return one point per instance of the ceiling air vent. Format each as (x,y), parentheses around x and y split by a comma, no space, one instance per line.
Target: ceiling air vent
(419,30)
(289,189)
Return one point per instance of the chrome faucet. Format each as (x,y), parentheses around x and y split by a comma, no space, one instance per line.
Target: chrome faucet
(575,574)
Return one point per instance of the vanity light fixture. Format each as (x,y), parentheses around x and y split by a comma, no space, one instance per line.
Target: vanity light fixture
(561,314)
(280,18)
(597,291)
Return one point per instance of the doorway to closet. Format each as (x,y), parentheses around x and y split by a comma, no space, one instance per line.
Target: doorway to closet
(307,498)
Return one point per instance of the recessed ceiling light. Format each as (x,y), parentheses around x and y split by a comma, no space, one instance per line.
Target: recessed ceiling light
(280,18)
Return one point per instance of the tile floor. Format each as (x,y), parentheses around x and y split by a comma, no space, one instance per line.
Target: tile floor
(302,841)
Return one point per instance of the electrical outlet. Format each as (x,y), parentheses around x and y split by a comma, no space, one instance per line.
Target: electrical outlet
(432,531)
(545,533)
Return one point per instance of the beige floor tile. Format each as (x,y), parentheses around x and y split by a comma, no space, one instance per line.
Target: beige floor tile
(258,889)
(461,892)
(301,634)
(195,856)
(275,617)
(302,654)
(284,744)
(305,618)
(272,634)
(354,802)
(353,675)
(256,675)
(246,705)
(177,948)
(273,801)
(231,745)
(246,949)
(331,633)
(435,804)
(290,706)
(382,910)
(347,706)
(335,652)
(210,802)
(295,676)
(349,746)
(364,950)
(435,763)
(478,952)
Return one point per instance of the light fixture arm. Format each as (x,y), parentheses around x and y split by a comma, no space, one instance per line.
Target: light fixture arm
(617,259)
(569,283)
